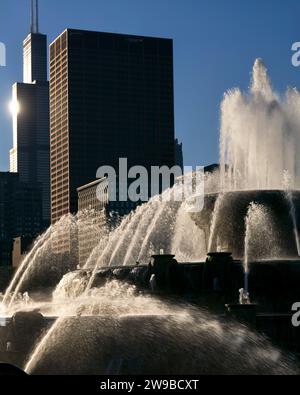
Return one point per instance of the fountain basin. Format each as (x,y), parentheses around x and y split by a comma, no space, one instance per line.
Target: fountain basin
(229,227)
(151,345)
(244,313)
(273,284)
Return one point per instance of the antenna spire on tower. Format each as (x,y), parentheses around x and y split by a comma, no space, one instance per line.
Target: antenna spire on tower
(34,16)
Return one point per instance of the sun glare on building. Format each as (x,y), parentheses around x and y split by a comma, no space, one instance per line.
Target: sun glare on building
(14,107)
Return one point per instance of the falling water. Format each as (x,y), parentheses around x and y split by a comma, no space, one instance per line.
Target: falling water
(93,231)
(290,199)
(39,262)
(189,244)
(160,231)
(214,221)
(289,196)
(261,237)
(141,230)
(260,136)
(114,242)
(29,257)
(247,242)
(146,231)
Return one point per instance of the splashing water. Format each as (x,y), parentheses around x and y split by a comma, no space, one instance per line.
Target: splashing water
(289,196)
(214,220)
(38,244)
(260,136)
(146,231)
(188,243)
(261,238)
(42,263)
(290,199)
(118,324)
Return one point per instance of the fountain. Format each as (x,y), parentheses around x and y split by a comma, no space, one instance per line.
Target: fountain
(112,314)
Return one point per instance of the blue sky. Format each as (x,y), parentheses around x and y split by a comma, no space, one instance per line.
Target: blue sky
(215,43)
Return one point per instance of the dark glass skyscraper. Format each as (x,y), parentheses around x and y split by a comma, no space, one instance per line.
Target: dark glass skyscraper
(111,97)
(20,213)
(30,156)
(35,58)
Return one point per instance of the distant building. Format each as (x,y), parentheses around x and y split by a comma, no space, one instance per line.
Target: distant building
(21,246)
(35,58)
(212,168)
(30,155)
(87,196)
(111,97)
(92,218)
(20,213)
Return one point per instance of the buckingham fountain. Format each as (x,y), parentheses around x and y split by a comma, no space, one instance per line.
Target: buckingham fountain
(170,290)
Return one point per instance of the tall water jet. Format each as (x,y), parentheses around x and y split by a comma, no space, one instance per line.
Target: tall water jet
(245,291)
(260,136)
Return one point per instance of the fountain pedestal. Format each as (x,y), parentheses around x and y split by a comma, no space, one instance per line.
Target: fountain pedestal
(161,268)
(244,313)
(217,274)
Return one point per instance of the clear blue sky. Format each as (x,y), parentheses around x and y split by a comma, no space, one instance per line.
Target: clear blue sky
(215,42)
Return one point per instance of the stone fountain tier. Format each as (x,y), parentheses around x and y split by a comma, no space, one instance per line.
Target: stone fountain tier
(207,285)
(18,336)
(230,213)
(274,284)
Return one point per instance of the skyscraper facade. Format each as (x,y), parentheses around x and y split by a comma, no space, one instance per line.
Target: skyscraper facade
(20,213)
(111,97)
(30,155)
(35,58)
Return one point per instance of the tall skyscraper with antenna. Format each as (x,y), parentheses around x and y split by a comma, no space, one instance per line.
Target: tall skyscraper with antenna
(34,16)
(30,156)
(34,50)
